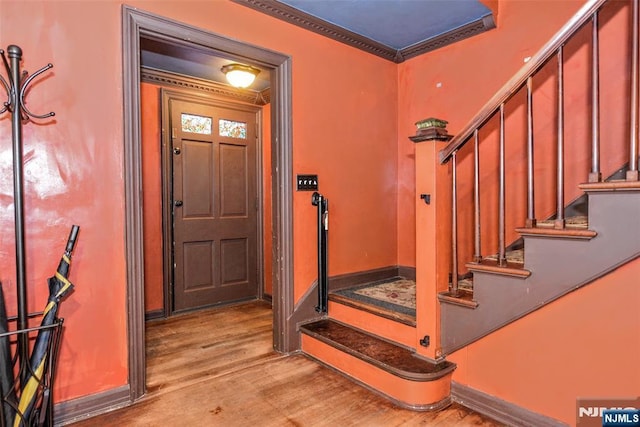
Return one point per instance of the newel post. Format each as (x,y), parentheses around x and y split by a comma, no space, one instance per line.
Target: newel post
(433,232)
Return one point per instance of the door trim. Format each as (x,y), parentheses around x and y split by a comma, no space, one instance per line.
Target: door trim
(137,23)
(167,208)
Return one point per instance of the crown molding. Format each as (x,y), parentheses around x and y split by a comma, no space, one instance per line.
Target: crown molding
(468,30)
(309,22)
(166,78)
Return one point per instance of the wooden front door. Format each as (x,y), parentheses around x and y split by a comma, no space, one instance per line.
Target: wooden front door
(214,202)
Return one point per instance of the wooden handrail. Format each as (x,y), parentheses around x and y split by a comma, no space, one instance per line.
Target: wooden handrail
(519,79)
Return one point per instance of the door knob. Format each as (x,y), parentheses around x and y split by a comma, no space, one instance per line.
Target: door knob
(176,150)
(177,203)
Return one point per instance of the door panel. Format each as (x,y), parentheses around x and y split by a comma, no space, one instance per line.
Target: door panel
(233,177)
(215,213)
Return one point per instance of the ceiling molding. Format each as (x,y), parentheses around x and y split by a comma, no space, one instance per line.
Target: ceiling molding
(309,22)
(166,78)
(471,29)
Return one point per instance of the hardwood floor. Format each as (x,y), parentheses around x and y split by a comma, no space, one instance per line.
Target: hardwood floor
(218,368)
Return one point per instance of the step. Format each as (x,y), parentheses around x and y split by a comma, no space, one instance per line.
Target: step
(387,368)
(393,326)
(488,265)
(463,298)
(616,185)
(373,309)
(564,233)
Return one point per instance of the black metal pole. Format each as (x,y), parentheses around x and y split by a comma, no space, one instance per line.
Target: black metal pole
(323,227)
(15,55)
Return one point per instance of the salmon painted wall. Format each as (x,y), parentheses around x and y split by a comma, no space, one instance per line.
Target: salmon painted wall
(267,236)
(344,129)
(152,197)
(73,175)
(584,345)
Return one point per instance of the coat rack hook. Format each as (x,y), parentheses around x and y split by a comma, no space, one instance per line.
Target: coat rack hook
(16,90)
(23,90)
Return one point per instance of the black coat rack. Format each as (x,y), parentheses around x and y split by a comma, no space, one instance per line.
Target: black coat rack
(16,87)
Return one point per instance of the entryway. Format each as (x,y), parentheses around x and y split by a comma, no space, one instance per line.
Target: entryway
(138,24)
(211,171)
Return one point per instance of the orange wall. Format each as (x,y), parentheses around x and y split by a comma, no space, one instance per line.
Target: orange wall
(266,200)
(344,129)
(152,197)
(73,175)
(585,345)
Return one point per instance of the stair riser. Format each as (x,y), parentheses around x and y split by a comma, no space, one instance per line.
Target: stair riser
(376,325)
(415,395)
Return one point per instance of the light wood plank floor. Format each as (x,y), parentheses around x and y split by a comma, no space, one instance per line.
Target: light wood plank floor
(217,368)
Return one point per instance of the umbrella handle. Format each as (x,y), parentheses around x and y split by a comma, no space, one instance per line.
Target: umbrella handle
(71,242)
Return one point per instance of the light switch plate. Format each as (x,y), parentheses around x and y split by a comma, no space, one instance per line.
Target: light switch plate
(307,182)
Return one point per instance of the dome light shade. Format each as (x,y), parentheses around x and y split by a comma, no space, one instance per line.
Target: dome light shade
(239,75)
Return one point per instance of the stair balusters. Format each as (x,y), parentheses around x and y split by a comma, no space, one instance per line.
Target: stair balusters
(502,256)
(453,288)
(560,222)
(477,256)
(595,175)
(531,214)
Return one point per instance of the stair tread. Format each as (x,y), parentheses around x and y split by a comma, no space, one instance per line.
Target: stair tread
(580,222)
(514,269)
(614,185)
(515,256)
(463,298)
(568,233)
(388,356)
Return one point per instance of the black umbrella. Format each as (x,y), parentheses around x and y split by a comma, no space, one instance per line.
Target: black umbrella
(59,286)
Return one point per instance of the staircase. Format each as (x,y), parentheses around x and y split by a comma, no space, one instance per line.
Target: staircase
(562,252)
(527,249)
(556,262)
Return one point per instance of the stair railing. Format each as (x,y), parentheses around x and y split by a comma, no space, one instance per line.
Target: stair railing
(496,107)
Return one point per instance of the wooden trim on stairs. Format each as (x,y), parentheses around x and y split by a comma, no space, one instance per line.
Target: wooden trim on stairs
(498,409)
(491,266)
(566,233)
(611,186)
(462,298)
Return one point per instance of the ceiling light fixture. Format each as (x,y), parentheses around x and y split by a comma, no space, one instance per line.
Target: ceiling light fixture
(239,75)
